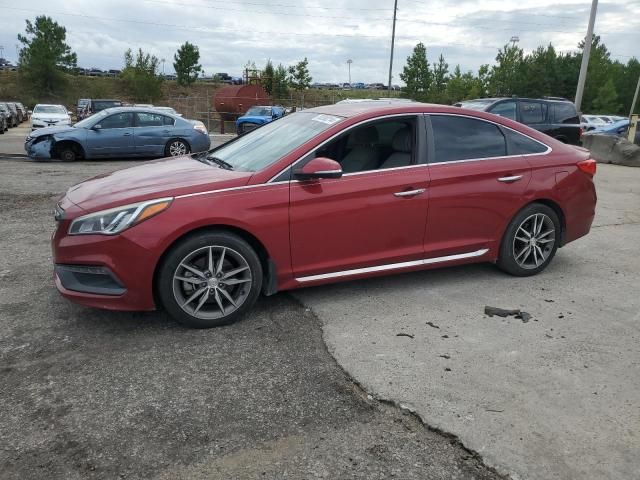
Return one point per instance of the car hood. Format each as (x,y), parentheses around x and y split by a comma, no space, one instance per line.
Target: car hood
(53,116)
(169,177)
(254,119)
(51,131)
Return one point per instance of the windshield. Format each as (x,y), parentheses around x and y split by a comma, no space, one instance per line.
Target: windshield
(97,106)
(259,111)
(477,104)
(90,121)
(49,109)
(268,144)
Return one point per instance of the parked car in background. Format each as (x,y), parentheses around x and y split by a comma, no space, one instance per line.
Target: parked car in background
(591,122)
(618,129)
(358,86)
(328,194)
(556,117)
(11,113)
(47,115)
(167,110)
(16,113)
(97,105)
(5,117)
(19,115)
(612,118)
(256,117)
(119,132)
(80,106)
(23,110)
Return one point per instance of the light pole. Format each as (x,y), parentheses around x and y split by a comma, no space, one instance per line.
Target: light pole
(515,39)
(1,51)
(586,52)
(393,41)
(349,62)
(162,66)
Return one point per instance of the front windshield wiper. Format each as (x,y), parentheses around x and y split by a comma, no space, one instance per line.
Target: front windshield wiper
(218,161)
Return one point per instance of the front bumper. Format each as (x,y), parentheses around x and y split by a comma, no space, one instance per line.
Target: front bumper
(110,272)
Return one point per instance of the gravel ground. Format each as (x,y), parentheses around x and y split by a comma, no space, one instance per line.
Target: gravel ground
(95,394)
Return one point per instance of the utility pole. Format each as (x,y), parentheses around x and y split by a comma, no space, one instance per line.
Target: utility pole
(393,41)
(586,52)
(349,62)
(635,99)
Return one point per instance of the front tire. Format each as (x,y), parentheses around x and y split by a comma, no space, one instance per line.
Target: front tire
(210,279)
(68,154)
(531,241)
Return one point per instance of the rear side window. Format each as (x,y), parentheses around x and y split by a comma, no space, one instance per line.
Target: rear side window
(168,120)
(463,138)
(533,112)
(505,109)
(149,119)
(521,145)
(565,113)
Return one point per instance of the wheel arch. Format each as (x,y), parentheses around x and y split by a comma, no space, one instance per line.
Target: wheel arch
(553,205)
(74,144)
(269,284)
(172,139)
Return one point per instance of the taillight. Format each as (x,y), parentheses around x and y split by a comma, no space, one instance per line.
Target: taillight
(200,128)
(588,166)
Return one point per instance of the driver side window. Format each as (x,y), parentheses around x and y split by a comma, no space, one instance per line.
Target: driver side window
(373,146)
(118,120)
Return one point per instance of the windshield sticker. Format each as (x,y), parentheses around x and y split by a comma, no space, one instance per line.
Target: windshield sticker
(328,119)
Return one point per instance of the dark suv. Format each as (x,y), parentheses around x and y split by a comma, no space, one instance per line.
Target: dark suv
(6,119)
(557,117)
(97,105)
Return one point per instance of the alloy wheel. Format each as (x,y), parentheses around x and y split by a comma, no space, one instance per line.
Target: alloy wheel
(534,241)
(177,148)
(212,282)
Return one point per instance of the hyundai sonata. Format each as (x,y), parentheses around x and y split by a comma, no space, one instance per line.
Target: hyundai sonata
(327,194)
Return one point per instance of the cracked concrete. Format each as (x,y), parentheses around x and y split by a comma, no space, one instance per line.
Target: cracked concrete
(555,398)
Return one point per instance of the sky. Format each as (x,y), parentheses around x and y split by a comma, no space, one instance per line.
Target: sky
(229,33)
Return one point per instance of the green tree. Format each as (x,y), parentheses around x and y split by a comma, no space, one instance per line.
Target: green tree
(416,74)
(186,64)
(607,99)
(140,76)
(299,77)
(45,55)
(506,75)
(280,83)
(267,77)
(440,78)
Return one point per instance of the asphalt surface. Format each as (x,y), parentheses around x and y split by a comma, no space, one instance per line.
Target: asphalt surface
(95,394)
(556,397)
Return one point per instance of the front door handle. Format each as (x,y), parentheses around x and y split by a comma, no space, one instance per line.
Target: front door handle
(511,179)
(410,193)
(126,134)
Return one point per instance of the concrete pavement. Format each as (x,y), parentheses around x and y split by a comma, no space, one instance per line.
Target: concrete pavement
(553,398)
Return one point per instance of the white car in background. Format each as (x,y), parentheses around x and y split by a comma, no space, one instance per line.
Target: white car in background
(591,122)
(167,110)
(45,115)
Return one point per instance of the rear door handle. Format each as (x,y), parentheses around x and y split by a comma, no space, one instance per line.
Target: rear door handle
(511,179)
(410,193)
(126,134)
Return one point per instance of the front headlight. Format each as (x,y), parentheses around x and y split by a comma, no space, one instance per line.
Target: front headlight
(115,220)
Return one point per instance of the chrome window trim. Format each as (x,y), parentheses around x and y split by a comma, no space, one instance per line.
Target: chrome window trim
(392,266)
(333,137)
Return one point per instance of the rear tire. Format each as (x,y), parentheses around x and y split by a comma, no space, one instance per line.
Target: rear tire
(176,148)
(530,241)
(209,279)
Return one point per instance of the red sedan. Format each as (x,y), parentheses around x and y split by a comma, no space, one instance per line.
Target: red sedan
(332,193)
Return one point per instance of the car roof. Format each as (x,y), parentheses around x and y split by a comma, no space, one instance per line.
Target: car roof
(48,105)
(138,109)
(375,107)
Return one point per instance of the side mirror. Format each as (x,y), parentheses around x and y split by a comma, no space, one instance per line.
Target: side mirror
(319,167)
(97,126)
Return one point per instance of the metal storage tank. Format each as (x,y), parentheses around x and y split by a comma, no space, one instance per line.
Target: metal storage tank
(235,100)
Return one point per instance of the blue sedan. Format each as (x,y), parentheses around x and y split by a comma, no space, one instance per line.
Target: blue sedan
(120,132)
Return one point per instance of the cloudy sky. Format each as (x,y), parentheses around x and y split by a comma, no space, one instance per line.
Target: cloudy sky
(231,32)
